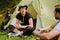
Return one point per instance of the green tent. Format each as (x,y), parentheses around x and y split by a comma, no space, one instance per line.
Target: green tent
(43,10)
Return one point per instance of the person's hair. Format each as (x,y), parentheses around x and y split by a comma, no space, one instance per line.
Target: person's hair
(57,10)
(23,6)
(57,5)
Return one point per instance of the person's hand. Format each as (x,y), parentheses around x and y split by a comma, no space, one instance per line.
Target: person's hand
(18,26)
(43,30)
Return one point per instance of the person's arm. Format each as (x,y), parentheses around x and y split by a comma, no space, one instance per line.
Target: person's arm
(53,33)
(50,35)
(47,28)
(30,22)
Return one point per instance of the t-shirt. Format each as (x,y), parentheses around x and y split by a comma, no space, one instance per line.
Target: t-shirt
(57,27)
(24,20)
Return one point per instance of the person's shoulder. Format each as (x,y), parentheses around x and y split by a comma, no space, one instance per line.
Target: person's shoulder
(28,13)
(59,21)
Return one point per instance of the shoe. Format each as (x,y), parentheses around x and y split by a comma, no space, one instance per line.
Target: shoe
(11,34)
(14,34)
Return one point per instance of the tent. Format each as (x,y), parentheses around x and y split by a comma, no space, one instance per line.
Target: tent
(43,10)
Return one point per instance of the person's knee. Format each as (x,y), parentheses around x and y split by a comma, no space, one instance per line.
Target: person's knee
(35,32)
(28,30)
(11,27)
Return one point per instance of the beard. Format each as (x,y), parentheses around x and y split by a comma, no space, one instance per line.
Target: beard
(56,18)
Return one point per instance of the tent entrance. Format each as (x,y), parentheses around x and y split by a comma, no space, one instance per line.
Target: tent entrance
(32,11)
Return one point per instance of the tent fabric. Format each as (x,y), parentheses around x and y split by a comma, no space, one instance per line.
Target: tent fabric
(38,23)
(47,11)
(43,9)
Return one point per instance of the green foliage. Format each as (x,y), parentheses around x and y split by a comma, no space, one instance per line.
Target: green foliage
(5,4)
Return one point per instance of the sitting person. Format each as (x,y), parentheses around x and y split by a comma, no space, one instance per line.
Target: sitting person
(55,28)
(22,24)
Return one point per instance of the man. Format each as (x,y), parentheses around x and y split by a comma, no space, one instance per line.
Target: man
(55,28)
(24,22)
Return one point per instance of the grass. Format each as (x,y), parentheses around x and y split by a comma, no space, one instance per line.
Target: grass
(4,36)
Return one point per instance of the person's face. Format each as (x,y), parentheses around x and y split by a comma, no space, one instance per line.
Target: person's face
(23,10)
(57,15)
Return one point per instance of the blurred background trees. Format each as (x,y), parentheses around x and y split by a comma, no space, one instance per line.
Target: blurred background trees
(4,5)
